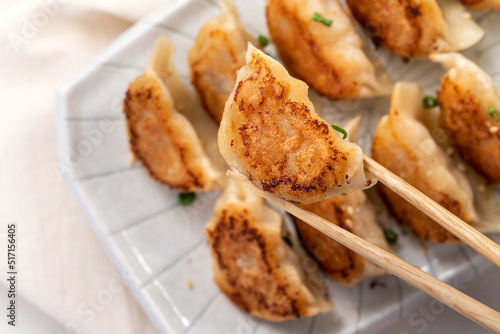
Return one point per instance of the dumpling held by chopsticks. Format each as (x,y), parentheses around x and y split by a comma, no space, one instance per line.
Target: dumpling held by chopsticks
(271,133)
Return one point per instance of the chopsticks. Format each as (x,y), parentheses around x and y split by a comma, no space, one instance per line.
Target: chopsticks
(446,294)
(469,235)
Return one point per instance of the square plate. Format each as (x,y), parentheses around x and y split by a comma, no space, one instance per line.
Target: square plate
(158,245)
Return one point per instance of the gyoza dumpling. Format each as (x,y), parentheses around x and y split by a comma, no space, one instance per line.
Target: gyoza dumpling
(161,137)
(353,212)
(256,269)
(481,4)
(416,28)
(486,202)
(466,95)
(217,55)
(405,146)
(271,134)
(331,59)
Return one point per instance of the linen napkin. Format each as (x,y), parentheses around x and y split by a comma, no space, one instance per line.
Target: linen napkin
(61,266)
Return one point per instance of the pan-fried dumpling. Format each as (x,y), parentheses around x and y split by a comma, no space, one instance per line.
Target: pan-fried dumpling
(405,146)
(271,133)
(256,269)
(161,137)
(416,28)
(217,55)
(353,212)
(465,97)
(486,202)
(331,59)
(481,4)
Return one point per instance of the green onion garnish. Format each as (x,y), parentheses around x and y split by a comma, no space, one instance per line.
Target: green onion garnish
(390,236)
(287,240)
(430,102)
(318,18)
(186,198)
(263,41)
(494,114)
(339,129)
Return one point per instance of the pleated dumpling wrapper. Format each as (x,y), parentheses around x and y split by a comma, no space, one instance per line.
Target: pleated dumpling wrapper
(353,212)
(405,146)
(271,134)
(331,58)
(254,267)
(160,135)
(417,28)
(481,4)
(216,56)
(468,98)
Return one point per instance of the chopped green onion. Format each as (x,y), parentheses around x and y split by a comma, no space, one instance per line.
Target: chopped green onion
(339,129)
(287,240)
(494,114)
(343,194)
(390,236)
(186,198)
(430,102)
(318,18)
(263,40)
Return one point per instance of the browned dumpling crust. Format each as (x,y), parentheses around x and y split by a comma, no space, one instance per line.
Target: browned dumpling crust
(160,136)
(353,213)
(217,55)
(481,4)
(271,134)
(465,97)
(416,28)
(331,59)
(403,145)
(254,267)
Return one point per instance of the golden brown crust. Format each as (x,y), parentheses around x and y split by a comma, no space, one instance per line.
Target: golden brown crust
(405,146)
(254,267)
(271,134)
(305,61)
(236,238)
(473,132)
(403,162)
(216,56)
(410,28)
(481,4)
(338,261)
(212,96)
(158,142)
(307,55)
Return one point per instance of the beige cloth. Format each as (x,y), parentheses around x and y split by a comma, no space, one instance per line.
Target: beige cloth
(62,268)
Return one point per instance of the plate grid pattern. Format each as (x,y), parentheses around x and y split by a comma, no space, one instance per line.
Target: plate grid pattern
(158,245)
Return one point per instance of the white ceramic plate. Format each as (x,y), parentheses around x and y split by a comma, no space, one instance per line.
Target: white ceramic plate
(158,245)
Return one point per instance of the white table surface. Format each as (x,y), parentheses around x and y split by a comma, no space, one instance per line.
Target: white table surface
(53,286)
(485,288)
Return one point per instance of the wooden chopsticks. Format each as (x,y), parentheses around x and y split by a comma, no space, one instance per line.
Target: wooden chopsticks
(455,299)
(469,235)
